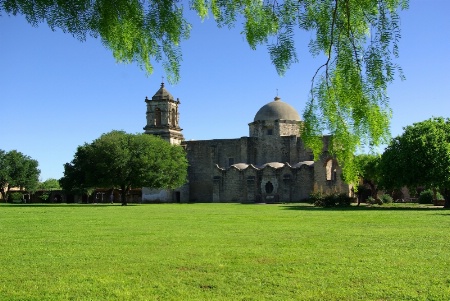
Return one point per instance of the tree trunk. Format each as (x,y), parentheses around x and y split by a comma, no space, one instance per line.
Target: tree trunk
(374,190)
(123,195)
(5,193)
(447,198)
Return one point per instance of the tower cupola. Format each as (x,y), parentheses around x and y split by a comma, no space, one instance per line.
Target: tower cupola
(163,116)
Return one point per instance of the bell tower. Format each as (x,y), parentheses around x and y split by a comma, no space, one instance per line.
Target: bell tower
(163,116)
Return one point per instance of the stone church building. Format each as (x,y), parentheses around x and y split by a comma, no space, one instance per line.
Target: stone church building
(270,165)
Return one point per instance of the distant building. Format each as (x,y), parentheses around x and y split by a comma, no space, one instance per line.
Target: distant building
(271,165)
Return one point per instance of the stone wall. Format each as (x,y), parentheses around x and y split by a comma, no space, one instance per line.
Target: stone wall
(203,155)
(333,185)
(268,184)
(274,128)
(289,128)
(214,177)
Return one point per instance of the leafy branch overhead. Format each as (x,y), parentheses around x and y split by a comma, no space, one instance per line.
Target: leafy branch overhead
(357,39)
(135,31)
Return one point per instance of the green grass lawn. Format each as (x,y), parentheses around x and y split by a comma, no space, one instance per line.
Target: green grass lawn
(223,252)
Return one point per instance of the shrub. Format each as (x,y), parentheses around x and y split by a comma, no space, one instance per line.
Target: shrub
(386,199)
(44,197)
(343,200)
(331,200)
(16,197)
(315,197)
(426,197)
(371,201)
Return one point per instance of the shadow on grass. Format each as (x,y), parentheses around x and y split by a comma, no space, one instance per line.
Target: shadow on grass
(39,205)
(283,206)
(308,207)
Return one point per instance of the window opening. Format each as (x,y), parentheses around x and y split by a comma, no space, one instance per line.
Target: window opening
(269,187)
(174,118)
(158,117)
(329,170)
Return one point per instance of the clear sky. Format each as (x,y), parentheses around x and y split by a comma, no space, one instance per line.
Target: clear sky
(57,93)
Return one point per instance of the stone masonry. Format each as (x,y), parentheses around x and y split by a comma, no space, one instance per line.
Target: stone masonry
(271,165)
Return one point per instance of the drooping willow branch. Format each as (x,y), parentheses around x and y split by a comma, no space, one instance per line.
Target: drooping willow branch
(326,64)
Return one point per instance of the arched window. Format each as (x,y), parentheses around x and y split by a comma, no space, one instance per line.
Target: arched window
(329,170)
(157,117)
(269,187)
(174,118)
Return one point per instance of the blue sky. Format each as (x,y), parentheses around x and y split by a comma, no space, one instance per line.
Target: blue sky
(57,93)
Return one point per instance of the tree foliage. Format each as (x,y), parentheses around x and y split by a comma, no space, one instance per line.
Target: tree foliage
(17,170)
(368,172)
(419,157)
(367,166)
(49,184)
(135,31)
(118,159)
(357,39)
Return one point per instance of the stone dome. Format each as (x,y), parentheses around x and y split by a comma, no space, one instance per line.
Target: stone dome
(277,110)
(162,94)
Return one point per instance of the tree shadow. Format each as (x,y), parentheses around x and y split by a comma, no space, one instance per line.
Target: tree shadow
(63,205)
(307,207)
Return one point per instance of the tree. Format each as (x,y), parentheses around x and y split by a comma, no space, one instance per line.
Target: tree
(49,184)
(356,39)
(73,180)
(367,166)
(17,170)
(118,159)
(419,157)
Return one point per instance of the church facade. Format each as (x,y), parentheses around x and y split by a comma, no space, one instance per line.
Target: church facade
(270,165)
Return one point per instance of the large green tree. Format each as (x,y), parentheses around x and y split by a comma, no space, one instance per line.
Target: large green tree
(17,170)
(119,159)
(74,179)
(356,39)
(419,157)
(368,172)
(49,184)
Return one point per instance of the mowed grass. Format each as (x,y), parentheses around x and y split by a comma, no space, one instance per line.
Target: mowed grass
(223,252)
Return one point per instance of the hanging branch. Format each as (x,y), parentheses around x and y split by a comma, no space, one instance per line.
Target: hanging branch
(326,64)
